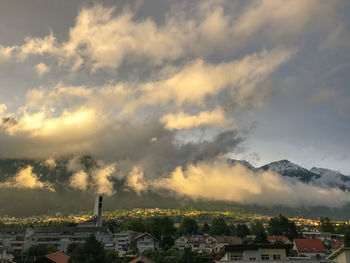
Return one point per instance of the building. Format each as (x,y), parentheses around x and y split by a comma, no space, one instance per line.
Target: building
(4,257)
(20,239)
(321,235)
(57,257)
(122,240)
(98,209)
(309,247)
(198,243)
(222,241)
(258,252)
(146,241)
(342,255)
(16,238)
(278,239)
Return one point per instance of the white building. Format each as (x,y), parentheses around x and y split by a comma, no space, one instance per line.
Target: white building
(199,243)
(342,255)
(4,257)
(122,240)
(146,241)
(259,252)
(18,239)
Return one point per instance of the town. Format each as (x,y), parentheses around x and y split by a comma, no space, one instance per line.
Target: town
(156,235)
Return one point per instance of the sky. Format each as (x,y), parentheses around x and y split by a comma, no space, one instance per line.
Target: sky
(137,83)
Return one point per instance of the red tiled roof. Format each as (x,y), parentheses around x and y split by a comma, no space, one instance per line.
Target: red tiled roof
(141,259)
(307,245)
(58,257)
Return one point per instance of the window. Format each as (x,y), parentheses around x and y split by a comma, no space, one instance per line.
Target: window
(276,257)
(265,257)
(235,257)
(252,258)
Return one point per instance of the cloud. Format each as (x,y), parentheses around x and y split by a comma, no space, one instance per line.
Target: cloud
(102,180)
(5,54)
(135,181)
(50,163)
(3,109)
(197,80)
(25,178)
(334,97)
(41,69)
(324,95)
(106,37)
(217,180)
(79,180)
(181,120)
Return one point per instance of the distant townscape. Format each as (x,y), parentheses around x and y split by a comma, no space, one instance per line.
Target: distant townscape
(157,235)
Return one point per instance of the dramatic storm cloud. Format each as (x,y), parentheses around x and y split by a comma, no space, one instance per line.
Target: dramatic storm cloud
(159,93)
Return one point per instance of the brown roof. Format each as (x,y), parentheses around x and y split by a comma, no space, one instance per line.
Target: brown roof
(230,240)
(141,260)
(308,245)
(58,257)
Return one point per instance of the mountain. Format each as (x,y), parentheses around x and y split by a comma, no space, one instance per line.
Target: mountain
(287,168)
(243,163)
(24,202)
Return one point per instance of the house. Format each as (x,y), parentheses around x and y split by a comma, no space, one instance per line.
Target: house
(57,257)
(199,243)
(321,235)
(141,260)
(146,241)
(256,252)
(278,239)
(122,240)
(342,255)
(4,257)
(222,241)
(309,247)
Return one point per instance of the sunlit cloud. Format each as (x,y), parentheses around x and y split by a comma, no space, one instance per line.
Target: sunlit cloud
(25,178)
(181,120)
(41,69)
(217,180)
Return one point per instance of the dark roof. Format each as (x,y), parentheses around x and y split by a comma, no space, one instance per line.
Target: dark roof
(146,234)
(242,248)
(308,245)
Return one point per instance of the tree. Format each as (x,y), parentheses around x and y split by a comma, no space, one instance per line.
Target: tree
(162,228)
(326,225)
(206,228)
(112,256)
(258,229)
(242,230)
(219,227)
(280,225)
(136,225)
(90,252)
(40,250)
(347,239)
(188,227)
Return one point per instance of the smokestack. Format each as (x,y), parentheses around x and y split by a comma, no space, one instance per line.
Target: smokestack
(98,209)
